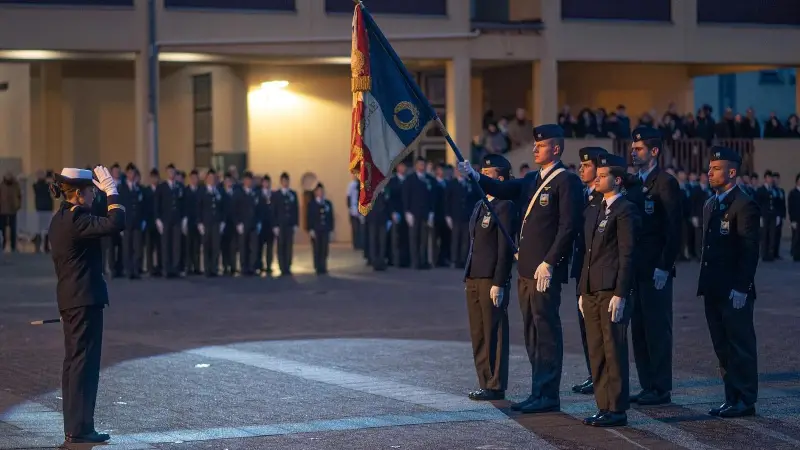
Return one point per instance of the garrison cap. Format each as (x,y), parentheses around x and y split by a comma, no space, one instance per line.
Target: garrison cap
(644,133)
(591,153)
(171,166)
(548,131)
(610,160)
(319,186)
(247,175)
(719,153)
(154,171)
(285,176)
(74,177)
(492,161)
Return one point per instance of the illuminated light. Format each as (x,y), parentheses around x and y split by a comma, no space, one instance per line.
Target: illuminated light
(38,55)
(274,85)
(185,57)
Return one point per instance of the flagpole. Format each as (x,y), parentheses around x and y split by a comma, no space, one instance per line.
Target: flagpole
(421,97)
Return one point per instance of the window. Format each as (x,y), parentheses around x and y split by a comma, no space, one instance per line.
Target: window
(111,3)
(774,12)
(203,120)
(410,7)
(638,10)
(770,77)
(233,5)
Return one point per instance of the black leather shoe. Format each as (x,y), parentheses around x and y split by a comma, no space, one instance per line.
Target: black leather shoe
(542,405)
(635,397)
(487,395)
(611,419)
(716,411)
(89,438)
(655,398)
(581,387)
(589,420)
(740,409)
(522,404)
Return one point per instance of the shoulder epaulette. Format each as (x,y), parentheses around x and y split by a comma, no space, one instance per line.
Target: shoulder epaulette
(74,208)
(116,206)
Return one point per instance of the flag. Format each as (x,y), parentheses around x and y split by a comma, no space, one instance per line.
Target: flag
(389,111)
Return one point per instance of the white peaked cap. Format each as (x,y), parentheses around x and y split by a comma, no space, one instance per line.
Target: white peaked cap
(76,174)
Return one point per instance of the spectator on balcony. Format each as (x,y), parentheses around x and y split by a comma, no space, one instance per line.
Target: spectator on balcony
(488,117)
(705,125)
(773,127)
(669,127)
(624,123)
(793,127)
(725,127)
(672,111)
(750,127)
(587,124)
(520,129)
(611,128)
(689,126)
(494,140)
(646,120)
(567,121)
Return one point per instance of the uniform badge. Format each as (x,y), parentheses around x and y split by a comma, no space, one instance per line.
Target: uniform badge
(722,206)
(544,199)
(724,227)
(649,206)
(487,219)
(602,226)
(644,190)
(591,197)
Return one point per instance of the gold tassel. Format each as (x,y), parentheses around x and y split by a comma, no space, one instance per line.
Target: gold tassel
(361,84)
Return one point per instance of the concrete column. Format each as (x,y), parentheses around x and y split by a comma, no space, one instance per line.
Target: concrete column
(229,103)
(15,118)
(143,155)
(50,128)
(545,91)
(459,103)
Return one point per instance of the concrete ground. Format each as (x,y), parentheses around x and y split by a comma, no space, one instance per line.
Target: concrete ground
(357,360)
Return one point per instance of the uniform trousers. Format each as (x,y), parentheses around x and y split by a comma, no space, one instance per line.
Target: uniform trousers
(400,244)
(171,248)
(377,243)
(320,244)
(488,328)
(734,340)
(268,247)
(768,236)
(796,245)
(112,249)
(418,238)
(651,333)
(285,248)
(83,339)
(459,242)
(212,244)
(582,327)
(154,259)
(544,338)
(776,250)
(192,258)
(441,243)
(608,351)
(248,250)
(228,246)
(132,246)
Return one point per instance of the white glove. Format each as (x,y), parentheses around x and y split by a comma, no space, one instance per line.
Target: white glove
(332,236)
(122,233)
(201,229)
(543,275)
(496,294)
(362,219)
(240,228)
(695,222)
(580,305)
(144,225)
(388,225)
(295,229)
(160,226)
(466,169)
(660,278)
(761,222)
(738,298)
(616,307)
(276,231)
(778,221)
(104,181)
(794,225)
(222,227)
(430,219)
(410,219)
(258,228)
(449,221)
(396,217)
(312,234)
(185,225)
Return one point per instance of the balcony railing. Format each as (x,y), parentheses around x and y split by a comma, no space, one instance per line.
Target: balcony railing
(693,155)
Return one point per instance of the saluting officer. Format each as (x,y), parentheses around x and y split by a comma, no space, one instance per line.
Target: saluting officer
(81,291)
(212,218)
(651,323)
(794,217)
(591,200)
(246,213)
(132,198)
(285,214)
(609,233)
(378,225)
(727,269)
(552,205)
(170,221)
(487,275)
(319,224)
(418,203)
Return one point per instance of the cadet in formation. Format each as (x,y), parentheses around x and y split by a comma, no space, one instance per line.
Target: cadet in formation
(651,320)
(727,270)
(487,276)
(552,201)
(131,197)
(609,234)
(285,213)
(379,223)
(81,291)
(211,216)
(171,221)
(320,225)
(794,218)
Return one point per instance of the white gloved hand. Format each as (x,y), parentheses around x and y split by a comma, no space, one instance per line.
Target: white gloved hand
(160,226)
(496,294)
(778,221)
(258,228)
(761,222)
(122,233)
(794,225)
(660,278)
(105,182)
(580,305)
(201,229)
(396,217)
(222,227)
(295,229)
(240,228)
(312,234)
(616,307)
(332,236)
(543,275)
(466,169)
(449,221)
(695,222)
(739,299)
(144,225)
(362,219)
(410,219)
(276,231)
(388,225)
(430,219)
(185,225)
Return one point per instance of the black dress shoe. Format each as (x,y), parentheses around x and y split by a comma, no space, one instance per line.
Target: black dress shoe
(740,409)
(716,411)
(542,405)
(487,395)
(635,397)
(611,419)
(522,404)
(578,388)
(89,438)
(589,420)
(655,398)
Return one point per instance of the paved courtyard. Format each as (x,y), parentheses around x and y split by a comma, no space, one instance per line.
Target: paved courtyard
(357,360)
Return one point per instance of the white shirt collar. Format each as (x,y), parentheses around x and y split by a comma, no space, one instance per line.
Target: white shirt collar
(284,190)
(543,172)
(721,197)
(646,173)
(610,201)
(210,188)
(589,189)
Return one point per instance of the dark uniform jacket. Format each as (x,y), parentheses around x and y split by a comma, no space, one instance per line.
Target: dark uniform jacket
(730,246)
(460,199)
(418,196)
(700,196)
(285,210)
(490,254)
(247,208)
(169,206)
(265,211)
(319,216)
(211,207)
(77,252)
(591,201)
(794,205)
(380,212)
(395,189)
(134,202)
(660,209)
(610,240)
(42,198)
(191,197)
(548,234)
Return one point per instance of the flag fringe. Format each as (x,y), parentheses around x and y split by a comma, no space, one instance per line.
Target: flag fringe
(361,84)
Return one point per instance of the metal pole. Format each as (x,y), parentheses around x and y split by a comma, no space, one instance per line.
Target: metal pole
(152,85)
